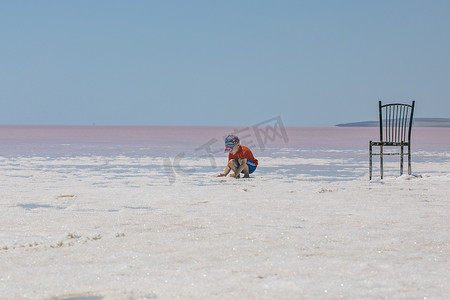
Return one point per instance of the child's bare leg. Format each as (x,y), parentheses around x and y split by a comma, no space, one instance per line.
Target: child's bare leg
(242,167)
(246,171)
(233,165)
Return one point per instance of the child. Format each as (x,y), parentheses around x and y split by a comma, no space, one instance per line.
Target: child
(240,158)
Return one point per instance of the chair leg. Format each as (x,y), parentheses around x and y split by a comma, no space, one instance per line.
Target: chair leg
(401,160)
(409,160)
(370,160)
(381,161)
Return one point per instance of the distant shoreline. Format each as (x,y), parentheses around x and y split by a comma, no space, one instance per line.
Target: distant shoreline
(418,122)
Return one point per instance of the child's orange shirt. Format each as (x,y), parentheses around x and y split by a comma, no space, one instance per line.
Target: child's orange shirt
(242,153)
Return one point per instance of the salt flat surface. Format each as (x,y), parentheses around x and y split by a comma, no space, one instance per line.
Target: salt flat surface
(305,226)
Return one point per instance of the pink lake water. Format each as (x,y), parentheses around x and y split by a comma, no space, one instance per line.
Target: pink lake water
(169,141)
(345,149)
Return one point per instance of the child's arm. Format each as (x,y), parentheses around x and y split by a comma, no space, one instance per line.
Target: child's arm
(225,173)
(227,169)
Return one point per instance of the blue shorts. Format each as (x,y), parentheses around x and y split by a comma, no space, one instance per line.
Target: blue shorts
(251,166)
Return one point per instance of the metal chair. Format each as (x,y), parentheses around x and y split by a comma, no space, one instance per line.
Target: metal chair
(396,122)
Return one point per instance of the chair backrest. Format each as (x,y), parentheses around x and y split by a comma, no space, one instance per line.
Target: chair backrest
(396,121)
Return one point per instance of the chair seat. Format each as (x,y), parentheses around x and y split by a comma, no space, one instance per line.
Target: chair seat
(390,144)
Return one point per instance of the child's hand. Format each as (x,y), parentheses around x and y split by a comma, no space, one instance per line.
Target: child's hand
(221,175)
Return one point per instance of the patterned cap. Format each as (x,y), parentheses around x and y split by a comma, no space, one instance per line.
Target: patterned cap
(230,141)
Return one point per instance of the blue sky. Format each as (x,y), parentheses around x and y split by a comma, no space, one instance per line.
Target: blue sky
(220,63)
